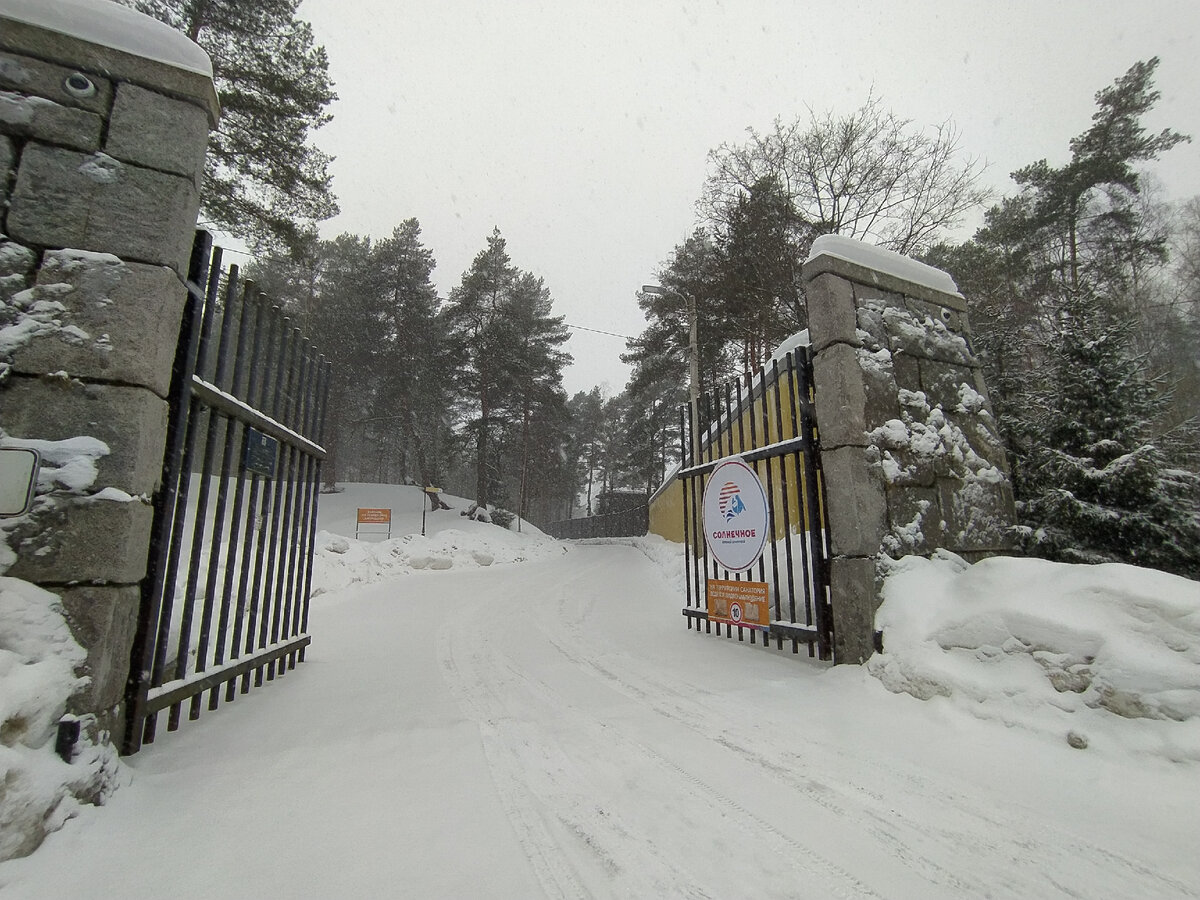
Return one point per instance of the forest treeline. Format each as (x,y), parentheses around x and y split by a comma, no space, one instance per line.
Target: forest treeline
(1083,286)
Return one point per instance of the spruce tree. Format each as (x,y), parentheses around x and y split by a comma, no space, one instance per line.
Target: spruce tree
(1054,278)
(1098,489)
(263,179)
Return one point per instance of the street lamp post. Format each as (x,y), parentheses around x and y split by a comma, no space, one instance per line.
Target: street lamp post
(693,360)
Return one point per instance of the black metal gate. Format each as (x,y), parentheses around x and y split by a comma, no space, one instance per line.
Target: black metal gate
(766,420)
(226,591)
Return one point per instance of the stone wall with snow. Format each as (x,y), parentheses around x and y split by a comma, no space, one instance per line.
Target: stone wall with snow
(911,456)
(104,121)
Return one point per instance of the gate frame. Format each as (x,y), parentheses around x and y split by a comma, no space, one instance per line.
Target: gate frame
(295,414)
(733,403)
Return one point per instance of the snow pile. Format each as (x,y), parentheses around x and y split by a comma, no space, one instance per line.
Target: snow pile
(1099,655)
(341,561)
(38,656)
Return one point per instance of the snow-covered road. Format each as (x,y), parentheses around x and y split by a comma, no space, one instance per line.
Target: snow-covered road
(551,728)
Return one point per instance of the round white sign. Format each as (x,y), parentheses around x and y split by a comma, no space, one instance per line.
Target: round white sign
(735,515)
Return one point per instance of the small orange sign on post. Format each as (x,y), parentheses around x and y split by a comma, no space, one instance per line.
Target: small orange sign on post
(743,603)
(368,516)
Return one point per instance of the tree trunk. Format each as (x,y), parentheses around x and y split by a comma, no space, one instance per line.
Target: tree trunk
(481,442)
(199,19)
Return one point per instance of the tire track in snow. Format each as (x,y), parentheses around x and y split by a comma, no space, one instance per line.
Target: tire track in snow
(812,790)
(1007,838)
(557,878)
(509,690)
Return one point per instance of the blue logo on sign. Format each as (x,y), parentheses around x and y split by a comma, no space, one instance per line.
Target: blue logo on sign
(730,501)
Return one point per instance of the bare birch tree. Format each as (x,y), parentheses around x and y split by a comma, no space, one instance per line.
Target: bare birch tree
(869,175)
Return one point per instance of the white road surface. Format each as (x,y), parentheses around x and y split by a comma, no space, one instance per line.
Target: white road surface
(550,728)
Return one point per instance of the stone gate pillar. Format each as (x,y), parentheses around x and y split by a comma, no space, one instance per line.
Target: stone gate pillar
(911,456)
(104,120)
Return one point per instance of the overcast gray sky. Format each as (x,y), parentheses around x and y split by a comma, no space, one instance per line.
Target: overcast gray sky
(581,129)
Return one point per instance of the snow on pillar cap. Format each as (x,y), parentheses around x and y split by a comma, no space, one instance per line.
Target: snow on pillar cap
(112,25)
(887,263)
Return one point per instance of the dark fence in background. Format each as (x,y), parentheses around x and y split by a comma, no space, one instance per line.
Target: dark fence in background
(627,523)
(226,591)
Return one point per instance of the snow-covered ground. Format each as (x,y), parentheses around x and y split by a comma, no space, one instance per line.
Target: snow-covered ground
(492,714)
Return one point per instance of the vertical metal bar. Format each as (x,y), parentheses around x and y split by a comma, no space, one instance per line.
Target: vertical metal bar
(295,525)
(773,521)
(765,463)
(800,459)
(290,492)
(185,624)
(269,604)
(200,520)
(319,418)
(741,428)
(305,536)
(695,491)
(253,396)
(304,501)
(736,386)
(816,532)
(269,358)
(785,497)
(239,387)
(727,390)
(685,463)
(150,607)
(216,549)
(697,504)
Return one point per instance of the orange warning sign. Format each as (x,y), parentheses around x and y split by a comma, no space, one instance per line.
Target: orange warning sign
(745,603)
(374,516)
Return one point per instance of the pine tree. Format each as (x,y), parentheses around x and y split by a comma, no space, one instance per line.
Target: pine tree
(536,401)
(587,427)
(263,179)
(509,368)
(760,246)
(476,313)
(415,391)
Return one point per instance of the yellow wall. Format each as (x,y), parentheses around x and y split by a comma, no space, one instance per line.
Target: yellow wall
(666,512)
(666,509)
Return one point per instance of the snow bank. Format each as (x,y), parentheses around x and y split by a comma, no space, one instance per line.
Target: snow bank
(1100,655)
(38,656)
(341,561)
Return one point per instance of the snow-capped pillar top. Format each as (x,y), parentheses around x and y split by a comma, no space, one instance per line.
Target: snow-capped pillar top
(111,40)
(886,269)
(910,453)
